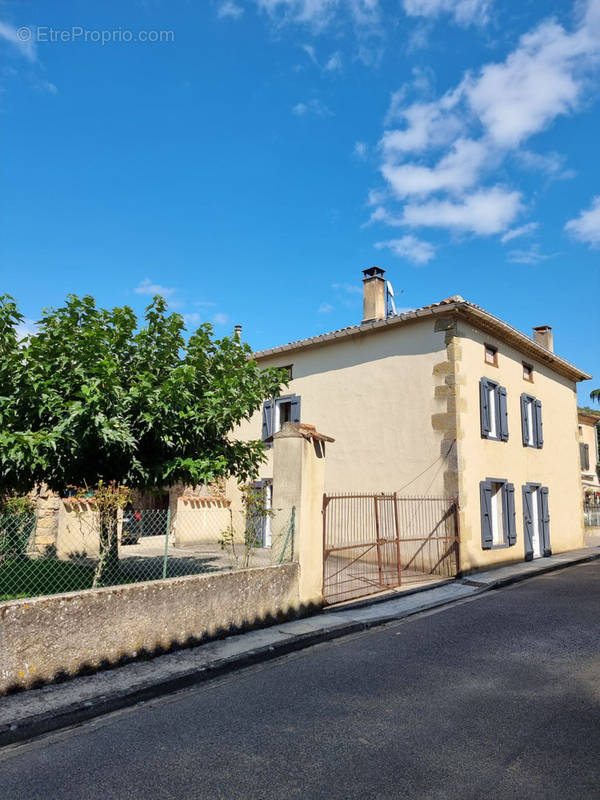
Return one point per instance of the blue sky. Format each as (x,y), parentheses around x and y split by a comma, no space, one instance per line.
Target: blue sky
(262,154)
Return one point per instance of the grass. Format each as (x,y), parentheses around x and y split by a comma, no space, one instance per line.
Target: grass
(25,577)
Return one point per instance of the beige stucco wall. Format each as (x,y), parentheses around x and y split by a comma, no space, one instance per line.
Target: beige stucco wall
(587,435)
(43,636)
(376,396)
(556,465)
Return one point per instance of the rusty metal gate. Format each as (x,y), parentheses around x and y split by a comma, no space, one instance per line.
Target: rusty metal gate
(376,542)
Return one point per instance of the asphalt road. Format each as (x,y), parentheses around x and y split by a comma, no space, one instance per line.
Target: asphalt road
(498,697)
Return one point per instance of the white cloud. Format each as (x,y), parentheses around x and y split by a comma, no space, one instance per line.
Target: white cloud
(530,256)
(325,308)
(318,14)
(586,227)
(457,170)
(220,319)
(314,106)
(465,12)
(522,230)
(347,288)
(230,10)
(147,287)
(550,164)
(311,53)
(411,248)
(440,151)
(540,80)
(16,38)
(484,212)
(360,150)
(334,62)
(192,320)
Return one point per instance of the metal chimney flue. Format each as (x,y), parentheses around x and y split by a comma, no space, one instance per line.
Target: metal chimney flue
(373,294)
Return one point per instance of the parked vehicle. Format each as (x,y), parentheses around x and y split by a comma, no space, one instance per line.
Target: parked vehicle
(132,526)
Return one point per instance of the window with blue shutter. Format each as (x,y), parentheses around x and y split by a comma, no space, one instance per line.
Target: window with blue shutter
(487,536)
(510,519)
(502,414)
(484,397)
(494,410)
(528,520)
(498,515)
(295,410)
(539,431)
(545,521)
(267,421)
(277,412)
(531,421)
(536,521)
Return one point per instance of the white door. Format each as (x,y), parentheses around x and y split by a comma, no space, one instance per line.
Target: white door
(536,531)
(267,519)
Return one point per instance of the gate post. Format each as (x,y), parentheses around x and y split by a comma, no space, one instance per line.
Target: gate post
(299,480)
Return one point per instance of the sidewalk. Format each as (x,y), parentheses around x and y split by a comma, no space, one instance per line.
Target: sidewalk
(37,711)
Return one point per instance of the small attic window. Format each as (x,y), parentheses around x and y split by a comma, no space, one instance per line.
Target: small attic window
(527,372)
(491,355)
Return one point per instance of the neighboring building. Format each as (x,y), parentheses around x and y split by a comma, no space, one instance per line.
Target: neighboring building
(446,400)
(588,454)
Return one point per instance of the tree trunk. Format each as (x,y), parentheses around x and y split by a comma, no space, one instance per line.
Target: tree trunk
(108,568)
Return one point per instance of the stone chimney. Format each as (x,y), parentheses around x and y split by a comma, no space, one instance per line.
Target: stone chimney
(373,294)
(543,335)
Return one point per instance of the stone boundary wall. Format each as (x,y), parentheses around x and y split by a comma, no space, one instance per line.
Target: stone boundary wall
(45,638)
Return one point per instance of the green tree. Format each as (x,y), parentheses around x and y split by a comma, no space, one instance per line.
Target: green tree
(595,395)
(91,399)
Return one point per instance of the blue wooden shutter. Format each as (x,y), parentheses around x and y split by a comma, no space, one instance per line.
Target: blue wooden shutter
(295,410)
(539,433)
(502,413)
(267,419)
(528,522)
(510,523)
(485,408)
(524,423)
(487,537)
(545,514)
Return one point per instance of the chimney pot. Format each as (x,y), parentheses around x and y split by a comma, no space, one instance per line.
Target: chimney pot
(542,334)
(373,294)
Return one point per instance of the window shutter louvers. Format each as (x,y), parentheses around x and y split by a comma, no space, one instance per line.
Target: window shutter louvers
(503,413)
(545,521)
(524,423)
(584,456)
(528,522)
(487,538)
(510,524)
(267,419)
(295,413)
(484,406)
(539,433)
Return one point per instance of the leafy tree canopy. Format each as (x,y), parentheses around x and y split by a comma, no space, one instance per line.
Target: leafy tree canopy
(94,397)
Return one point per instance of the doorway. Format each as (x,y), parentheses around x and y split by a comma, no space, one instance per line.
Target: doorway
(536,521)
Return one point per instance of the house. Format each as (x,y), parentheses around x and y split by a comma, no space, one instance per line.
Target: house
(588,454)
(449,401)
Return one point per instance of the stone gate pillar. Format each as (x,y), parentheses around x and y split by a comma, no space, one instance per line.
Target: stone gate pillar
(299,480)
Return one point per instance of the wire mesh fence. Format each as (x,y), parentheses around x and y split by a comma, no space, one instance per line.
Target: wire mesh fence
(72,551)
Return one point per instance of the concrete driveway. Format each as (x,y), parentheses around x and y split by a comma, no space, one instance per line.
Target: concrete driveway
(497,697)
